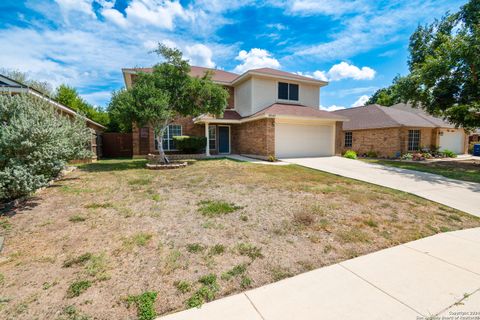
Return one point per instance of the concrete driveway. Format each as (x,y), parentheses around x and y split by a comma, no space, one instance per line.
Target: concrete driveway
(461,195)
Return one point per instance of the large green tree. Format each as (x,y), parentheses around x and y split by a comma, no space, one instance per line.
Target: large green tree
(444,68)
(69,97)
(387,96)
(156,98)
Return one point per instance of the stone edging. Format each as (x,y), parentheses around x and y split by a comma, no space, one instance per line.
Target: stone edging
(177,165)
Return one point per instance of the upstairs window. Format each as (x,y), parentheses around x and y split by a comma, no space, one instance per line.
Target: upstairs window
(287,91)
(348,139)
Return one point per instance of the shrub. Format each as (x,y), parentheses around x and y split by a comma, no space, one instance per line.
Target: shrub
(190,144)
(350,154)
(144,303)
(195,247)
(35,144)
(239,269)
(272,158)
(407,156)
(249,250)
(77,288)
(427,155)
(217,249)
(449,154)
(372,154)
(183,286)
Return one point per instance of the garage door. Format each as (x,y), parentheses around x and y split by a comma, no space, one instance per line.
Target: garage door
(295,140)
(452,141)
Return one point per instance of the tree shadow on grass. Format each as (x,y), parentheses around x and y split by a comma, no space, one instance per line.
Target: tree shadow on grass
(114,165)
(25,204)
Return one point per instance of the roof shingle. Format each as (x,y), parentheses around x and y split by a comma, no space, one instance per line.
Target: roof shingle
(297,110)
(376,117)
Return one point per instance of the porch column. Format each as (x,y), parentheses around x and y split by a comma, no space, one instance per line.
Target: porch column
(207,148)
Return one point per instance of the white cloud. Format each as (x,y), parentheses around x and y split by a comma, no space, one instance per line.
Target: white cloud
(330,7)
(360,101)
(368,25)
(84,6)
(351,91)
(151,13)
(342,71)
(320,75)
(255,58)
(115,16)
(97,98)
(199,55)
(147,12)
(332,108)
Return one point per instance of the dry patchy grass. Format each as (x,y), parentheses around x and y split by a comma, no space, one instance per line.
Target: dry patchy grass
(113,230)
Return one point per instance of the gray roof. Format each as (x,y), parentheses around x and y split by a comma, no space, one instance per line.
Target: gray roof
(400,115)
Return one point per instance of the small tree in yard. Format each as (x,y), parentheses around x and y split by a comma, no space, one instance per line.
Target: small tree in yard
(169,91)
(35,144)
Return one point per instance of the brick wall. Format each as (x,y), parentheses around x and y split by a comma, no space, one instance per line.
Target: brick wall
(339,138)
(254,137)
(428,138)
(188,129)
(385,142)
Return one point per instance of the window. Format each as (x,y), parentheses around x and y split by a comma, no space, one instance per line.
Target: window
(172,130)
(287,91)
(348,139)
(413,140)
(212,137)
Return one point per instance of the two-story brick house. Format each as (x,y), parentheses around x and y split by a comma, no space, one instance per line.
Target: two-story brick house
(269,113)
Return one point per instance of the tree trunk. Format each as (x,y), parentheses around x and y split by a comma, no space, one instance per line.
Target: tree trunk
(159,137)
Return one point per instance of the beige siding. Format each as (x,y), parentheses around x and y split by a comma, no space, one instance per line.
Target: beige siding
(265,93)
(243,98)
(310,95)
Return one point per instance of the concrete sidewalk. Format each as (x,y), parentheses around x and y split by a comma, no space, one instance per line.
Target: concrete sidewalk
(461,195)
(434,276)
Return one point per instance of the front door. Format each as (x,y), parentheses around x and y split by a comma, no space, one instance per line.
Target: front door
(223,139)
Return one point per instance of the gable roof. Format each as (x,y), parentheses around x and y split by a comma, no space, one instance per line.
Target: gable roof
(421,113)
(217,75)
(230,78)
(376,117)
(12,86)
(293,111)
(296,110)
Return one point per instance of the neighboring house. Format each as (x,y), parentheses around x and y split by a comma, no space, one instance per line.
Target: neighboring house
(10,86)
(269,113)
(395,130)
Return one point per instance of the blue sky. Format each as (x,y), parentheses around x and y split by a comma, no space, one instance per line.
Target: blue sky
(357,45)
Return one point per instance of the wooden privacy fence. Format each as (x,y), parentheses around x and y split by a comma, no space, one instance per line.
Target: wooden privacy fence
(117,145)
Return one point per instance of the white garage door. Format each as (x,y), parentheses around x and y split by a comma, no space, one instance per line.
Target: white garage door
(452,141)
(295,140)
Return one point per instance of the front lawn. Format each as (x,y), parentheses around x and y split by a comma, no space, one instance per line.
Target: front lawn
(466,170)
(113,240)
